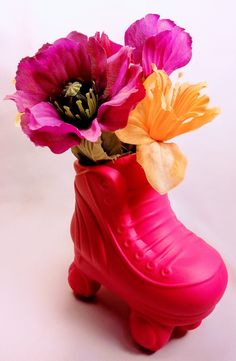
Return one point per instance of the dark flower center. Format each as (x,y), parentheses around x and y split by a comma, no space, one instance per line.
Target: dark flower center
(77,104)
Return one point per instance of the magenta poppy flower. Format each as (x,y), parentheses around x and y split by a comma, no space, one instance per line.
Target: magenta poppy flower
(160,42)
(76,88)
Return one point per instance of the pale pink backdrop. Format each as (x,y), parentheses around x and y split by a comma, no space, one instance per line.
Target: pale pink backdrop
(39,318)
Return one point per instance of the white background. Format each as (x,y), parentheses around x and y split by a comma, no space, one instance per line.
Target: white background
(39,318)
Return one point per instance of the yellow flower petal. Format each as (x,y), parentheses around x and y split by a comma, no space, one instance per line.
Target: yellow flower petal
(167,110)
(197,122)
(18,118)
(163,163)
(133,134)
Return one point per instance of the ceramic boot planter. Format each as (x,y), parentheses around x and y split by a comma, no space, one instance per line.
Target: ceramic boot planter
(127,238)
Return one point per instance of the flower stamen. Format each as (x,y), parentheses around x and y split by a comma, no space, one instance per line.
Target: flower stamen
(77,103)
(68,112)
(72,89)
(81,108)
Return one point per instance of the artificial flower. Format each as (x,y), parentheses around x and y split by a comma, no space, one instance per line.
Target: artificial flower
(76,88)
(166,111)
(160,42)
(109,46)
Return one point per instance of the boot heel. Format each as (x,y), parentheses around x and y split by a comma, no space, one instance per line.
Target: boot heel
(80,283)
(150,336)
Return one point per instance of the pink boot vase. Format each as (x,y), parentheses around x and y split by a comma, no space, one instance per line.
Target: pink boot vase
(127,238)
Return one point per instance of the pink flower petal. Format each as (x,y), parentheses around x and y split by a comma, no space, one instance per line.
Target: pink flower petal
(43,48)
(168,50)
(113,114)
(92,133)
(44,127)
(109,46)
(98,64)
(117,67)
(46,73)
(138,32)
(142,29)
(78,37)
(160,42)
(165,24)
(23,100)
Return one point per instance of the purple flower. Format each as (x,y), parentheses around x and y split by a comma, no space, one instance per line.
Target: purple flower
(158,42)
(76,88)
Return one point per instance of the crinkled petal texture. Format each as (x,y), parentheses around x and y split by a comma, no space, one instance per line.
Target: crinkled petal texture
(168,50)
(44,127)
(166,111)
(123,91)
(109,46)
(43,77)
(160,42)
(163,163)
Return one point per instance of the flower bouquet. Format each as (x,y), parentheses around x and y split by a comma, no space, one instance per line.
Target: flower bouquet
(116,107)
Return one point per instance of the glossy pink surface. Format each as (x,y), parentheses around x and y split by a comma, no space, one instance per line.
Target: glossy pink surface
(127,238)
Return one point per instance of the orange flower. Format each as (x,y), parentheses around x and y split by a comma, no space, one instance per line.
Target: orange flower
(166,111)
